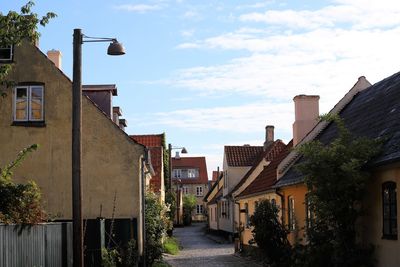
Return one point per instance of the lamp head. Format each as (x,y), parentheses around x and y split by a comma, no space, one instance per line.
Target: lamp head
(115,49)
(184,151)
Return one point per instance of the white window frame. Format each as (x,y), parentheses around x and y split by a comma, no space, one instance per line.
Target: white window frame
(199,209)
(291,214)
(10,47)
(29,103)
(199,191)
(191,173)
(185,190)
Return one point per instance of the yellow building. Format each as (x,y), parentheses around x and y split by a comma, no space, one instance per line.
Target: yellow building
(257,185)
(38,110)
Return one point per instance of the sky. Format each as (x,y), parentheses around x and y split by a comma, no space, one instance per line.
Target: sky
(214,73)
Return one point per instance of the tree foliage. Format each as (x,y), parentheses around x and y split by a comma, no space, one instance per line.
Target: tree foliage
(189,204)
(16,27)
(19,203)
(270,234)
(336,182)
(156,226)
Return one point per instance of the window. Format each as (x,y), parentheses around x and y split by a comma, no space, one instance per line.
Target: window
(291,219)
(247,216)
(185,190)
(225,179)
(199,191)
(227,209)
(309,213)
(199,209)
(28,103)
(389,210)
(192,173)
(6,53)
(177,173)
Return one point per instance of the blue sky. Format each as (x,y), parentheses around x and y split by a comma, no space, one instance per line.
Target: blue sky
(214,73)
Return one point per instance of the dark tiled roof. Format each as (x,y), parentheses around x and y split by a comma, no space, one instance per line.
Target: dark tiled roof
(240,156)
(373,113)
(267,177)
(192,162)
(269,154)
(101,87)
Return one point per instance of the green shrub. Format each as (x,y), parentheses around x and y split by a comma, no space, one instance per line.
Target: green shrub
(171,246)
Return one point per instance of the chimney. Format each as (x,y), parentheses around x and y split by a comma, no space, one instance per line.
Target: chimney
(123,124)
(55,56)
(269,136)
(306,110)
(117,112)
(177,156)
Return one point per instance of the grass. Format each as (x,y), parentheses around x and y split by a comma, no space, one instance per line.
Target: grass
(171,246)
(160,264)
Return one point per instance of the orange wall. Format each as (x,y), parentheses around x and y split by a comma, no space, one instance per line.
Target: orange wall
(298,192)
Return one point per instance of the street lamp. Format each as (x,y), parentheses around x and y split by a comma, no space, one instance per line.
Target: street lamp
(115,48)
(183,151)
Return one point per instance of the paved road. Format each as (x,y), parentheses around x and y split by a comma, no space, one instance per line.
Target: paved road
(199,250)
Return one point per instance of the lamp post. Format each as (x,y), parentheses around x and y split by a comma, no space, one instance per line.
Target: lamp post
(183,151)
(114,49)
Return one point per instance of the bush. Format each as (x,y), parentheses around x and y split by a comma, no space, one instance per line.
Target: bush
(270,235)
(189,203)
(19,203)
(109,257)
(156,226)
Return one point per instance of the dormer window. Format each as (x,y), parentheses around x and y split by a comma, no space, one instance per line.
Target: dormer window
(6,53)
(28,103)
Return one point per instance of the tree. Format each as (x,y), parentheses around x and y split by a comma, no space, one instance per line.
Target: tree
(19,203)
(189,204)
(270,234)
(16,27)
(336,180)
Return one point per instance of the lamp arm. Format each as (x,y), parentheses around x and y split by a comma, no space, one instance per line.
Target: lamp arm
(97,39)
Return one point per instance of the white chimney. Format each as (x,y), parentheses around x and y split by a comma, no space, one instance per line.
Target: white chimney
(56,57)
(306,116)
(269,136)
(177,156)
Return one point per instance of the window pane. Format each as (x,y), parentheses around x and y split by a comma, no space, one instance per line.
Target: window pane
(36,109)
(386,226)
(21,104)
(5,53)
(37,92)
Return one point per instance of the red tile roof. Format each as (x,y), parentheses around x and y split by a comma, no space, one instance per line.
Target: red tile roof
(149,140)
(269,154)
(240,156)
(154,143)
(267,178)
(192,162)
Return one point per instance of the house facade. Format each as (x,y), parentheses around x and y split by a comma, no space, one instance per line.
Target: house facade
(38,110)
(156,146)
(189,176)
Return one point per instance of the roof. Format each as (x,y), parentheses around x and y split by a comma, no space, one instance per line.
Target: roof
(215,175)
(192,162)
(213,187)
(269,154)
(373,113)
(241,156)
(217,196)
(101,87)
(267,177)
(149,140)
(154,143)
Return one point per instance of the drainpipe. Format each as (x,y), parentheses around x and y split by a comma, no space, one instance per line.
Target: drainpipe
(239,232)
(144,159)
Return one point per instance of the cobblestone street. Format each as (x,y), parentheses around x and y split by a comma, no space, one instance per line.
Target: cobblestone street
(200,250)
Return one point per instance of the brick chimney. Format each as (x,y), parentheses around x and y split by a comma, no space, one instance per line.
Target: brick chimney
(306,116)
(269,136)
(56,57)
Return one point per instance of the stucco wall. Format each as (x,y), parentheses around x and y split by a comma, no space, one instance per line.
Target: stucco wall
(111,162)
(386,252)
(212,220)
(251,201)
(298,192)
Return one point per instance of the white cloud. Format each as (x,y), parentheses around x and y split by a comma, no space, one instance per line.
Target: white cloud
(139,8)
(187,33)
(360,15)
(191,14)
(238,119)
